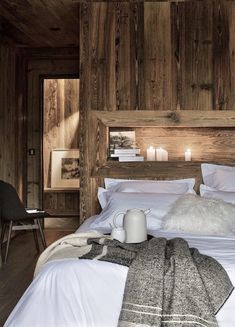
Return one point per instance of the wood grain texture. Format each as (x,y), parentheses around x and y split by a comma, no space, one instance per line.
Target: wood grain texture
(36,68)
(192,53)
(12,119)
(179,118)
(157,56)
(209,135)
(222,40)
(34,23)
(177,57)
(60,119)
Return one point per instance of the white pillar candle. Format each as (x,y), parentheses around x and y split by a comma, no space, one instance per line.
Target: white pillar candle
(188,155)
(159,154)
(150,154)
(164,155)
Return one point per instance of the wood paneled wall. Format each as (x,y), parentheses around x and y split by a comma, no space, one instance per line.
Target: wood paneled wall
(153,56)
(60,119)
(12,118)
(39,67)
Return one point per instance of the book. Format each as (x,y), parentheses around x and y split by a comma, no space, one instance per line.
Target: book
(129,150)
(115,155)
(135,158)
(34,210)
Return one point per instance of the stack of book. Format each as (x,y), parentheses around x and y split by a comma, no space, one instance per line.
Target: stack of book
(131,154)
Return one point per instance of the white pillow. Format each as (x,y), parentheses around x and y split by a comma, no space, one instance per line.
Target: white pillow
(220,177)
(109,182)
(155,187)
(212,193)
(101,197)
(112,183)
(121,202)
(141,186)
(193,214)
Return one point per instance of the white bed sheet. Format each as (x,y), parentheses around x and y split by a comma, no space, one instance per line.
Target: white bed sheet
(89,293)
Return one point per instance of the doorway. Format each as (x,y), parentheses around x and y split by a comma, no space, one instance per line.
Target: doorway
(60,151)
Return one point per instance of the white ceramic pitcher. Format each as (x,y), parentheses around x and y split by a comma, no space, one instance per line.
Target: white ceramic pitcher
(134,224)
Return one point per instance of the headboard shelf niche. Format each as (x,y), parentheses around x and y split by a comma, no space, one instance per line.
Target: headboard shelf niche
(210,132)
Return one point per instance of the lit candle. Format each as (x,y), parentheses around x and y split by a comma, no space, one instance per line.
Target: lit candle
(150,154)
(188,155)
(164,155)
(159,154)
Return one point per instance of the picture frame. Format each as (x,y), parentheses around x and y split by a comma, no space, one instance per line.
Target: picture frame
(65,172)
(121,139)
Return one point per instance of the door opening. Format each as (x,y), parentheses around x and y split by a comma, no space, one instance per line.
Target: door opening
(60,149)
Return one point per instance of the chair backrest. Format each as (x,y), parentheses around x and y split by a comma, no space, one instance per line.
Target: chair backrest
(10,204)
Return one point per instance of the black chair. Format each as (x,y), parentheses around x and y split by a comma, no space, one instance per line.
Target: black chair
(14,216)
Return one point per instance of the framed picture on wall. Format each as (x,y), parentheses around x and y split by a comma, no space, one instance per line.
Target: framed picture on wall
(65,171)
(121,139)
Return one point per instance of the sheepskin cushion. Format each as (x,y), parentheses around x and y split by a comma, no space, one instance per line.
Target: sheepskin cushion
(193,214)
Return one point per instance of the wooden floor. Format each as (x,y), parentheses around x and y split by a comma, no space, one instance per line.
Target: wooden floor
(17,274)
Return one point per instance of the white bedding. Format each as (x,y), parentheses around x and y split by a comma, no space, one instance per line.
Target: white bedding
(89,293)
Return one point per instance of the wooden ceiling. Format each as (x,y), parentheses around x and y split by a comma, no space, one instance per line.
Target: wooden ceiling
(40,23)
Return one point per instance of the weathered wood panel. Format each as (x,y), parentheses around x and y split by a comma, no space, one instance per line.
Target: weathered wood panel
(157,57)
(36,68)
(189,118)
(60,119)
(12,119)
(177,56)
(223,39)
(192,52)
(41,23)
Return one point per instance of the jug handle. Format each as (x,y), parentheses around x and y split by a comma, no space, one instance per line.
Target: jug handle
(115,219)
(147,211)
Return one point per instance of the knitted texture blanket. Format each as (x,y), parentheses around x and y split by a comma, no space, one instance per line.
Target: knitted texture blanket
(168,283)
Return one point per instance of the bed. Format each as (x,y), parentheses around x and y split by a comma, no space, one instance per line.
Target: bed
(71,292)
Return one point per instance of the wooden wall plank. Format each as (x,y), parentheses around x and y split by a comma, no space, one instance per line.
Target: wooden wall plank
(61,119)
(192,49)
(36,68)
(177,56)
(126,60)
(12,118)
(180,118)
(157,56)
(222,72)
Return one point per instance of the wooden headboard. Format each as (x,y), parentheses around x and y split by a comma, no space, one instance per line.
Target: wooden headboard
(210,135)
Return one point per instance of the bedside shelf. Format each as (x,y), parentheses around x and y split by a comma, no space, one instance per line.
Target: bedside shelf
(61,190)
(132,169)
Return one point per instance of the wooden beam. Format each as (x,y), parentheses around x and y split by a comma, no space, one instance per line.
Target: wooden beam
(179,118)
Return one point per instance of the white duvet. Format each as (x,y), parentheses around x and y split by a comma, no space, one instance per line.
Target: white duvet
(85,293)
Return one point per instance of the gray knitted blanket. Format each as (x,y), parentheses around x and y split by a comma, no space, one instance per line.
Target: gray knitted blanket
(168,284)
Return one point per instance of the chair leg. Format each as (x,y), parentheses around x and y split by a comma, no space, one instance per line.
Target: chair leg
(8,240)
(36,240)
(42,234)
(4,226)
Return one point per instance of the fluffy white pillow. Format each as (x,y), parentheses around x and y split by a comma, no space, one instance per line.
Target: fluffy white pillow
(220,177)
(121,202)
(193,214)
(212,193)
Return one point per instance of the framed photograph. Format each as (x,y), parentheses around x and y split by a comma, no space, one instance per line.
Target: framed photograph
(121,140)
(65,170)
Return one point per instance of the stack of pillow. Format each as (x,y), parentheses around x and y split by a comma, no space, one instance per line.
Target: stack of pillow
(120,195)
(219,182)
(174,204)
